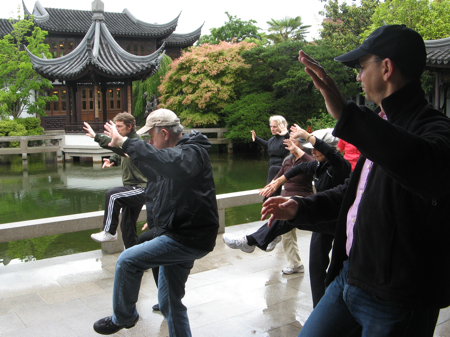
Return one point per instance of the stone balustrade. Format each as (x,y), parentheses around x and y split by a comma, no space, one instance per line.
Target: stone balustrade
(92,220)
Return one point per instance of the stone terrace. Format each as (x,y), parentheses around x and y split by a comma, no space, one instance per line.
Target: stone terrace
(229,293)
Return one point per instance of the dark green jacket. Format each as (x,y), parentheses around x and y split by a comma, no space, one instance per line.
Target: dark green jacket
(131,175)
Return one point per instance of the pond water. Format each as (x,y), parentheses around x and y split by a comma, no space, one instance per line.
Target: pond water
(47,189)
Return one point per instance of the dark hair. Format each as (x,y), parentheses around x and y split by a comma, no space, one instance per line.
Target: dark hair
(127,119)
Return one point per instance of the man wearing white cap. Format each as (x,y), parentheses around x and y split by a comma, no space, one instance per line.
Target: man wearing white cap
(185,217)
(390,272)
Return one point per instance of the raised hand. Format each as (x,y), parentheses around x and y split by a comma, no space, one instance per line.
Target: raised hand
(280,208)
(298,132)
(290,144)
(334,100)
(111,131)
(107,163)
(283,130)
(253,135)
(88,129)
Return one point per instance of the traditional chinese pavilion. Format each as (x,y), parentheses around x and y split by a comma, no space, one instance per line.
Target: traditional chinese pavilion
(96,56)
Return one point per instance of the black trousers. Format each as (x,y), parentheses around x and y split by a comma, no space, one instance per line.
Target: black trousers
(130,199)
(265,235)
(319,251)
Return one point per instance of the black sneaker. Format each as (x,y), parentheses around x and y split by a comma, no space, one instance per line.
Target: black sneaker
(105,326)
(156,307)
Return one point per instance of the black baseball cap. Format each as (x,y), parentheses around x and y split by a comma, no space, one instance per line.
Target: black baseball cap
(397,42)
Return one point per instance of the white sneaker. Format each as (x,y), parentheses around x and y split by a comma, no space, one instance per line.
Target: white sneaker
(271,246)
(289,270)
(103,237)
(240,242)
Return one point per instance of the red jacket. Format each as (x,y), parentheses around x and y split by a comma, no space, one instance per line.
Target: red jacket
(351,153)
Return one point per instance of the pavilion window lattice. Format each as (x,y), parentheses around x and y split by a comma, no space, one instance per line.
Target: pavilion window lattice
(58,107)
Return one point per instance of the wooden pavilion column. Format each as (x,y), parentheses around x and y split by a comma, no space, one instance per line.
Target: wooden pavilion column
(68,103)
(129,96)
(104,106)
(124,97)
(76,113)
(94,99)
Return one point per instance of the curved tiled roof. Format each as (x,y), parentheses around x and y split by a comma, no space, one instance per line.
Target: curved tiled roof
(438,53)
(5,27)
(99,52)
(184,40)
(78,21)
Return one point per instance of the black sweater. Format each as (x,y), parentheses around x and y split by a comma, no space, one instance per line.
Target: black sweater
(275,148)
(401,236)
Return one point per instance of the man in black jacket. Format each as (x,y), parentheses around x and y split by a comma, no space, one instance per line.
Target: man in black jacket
(185,217)
(390,272)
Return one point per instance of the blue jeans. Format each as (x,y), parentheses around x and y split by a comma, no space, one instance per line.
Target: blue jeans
(346,310)
(175,261)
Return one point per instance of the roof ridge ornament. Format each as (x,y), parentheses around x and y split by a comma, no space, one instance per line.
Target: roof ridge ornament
(98,8)
(40,13)
(127,12)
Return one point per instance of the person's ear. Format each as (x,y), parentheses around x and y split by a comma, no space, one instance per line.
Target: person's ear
(166,134)
(388,68)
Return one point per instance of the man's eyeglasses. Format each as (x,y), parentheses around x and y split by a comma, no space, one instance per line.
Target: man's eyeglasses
(359,67)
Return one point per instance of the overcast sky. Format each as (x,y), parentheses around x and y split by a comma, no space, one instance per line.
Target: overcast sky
(193,12)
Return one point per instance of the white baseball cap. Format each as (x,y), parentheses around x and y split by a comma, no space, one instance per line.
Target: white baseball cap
(326,135)
(160,117)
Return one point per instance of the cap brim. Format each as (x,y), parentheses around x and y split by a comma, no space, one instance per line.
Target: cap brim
(351,59)
(143,130)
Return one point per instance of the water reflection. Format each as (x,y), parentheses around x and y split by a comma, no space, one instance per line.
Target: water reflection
(47,189)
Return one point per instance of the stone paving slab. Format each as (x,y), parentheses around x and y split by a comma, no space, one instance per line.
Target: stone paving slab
(229,293)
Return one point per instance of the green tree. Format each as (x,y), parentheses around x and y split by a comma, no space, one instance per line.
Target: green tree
(232,29)
(429,18)
(323,121)
(287,29)
(19,82)
(252,112)
(344,24)
(150,85)
(279,85)
(203,81)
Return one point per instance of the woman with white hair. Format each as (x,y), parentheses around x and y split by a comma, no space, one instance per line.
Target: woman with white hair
(275,147)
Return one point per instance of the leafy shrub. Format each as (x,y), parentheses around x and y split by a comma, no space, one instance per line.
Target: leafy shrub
(29,123)
(6,126)
(36,131)
(20,127)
